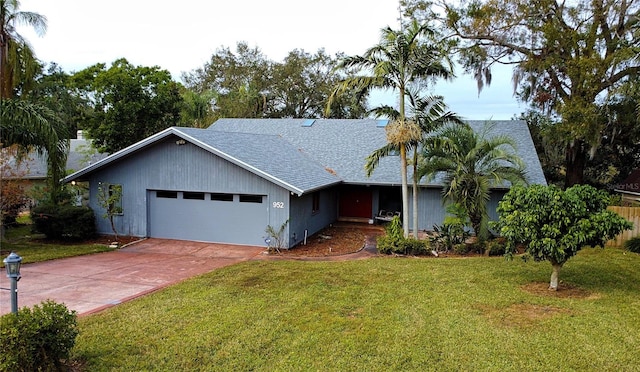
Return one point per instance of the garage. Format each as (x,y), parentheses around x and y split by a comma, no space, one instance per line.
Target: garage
(208,217)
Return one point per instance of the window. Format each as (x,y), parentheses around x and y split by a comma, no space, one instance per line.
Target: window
(250,198)
(193,195)
(222,197)
(315,203)
(167,194)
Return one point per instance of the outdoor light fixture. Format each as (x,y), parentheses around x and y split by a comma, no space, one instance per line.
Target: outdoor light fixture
(12,265)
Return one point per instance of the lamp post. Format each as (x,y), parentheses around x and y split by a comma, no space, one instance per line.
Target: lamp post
(12,265)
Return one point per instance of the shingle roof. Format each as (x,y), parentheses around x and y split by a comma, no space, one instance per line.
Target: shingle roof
(268,156)
(303,155)
(344,144)
(81,154)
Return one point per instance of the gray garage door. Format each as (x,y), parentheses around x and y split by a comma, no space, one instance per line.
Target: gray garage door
(208,217)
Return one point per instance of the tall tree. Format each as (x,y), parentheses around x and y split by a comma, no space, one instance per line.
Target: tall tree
(18,65)
(23,123)
(403,59)
(130,102)
(565,57)
(429,113)
(471,164)
(197,108)
(247,84)
(33,126)
(239,79)
(303,82)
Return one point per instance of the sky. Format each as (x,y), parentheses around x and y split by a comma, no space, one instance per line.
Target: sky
(181,36)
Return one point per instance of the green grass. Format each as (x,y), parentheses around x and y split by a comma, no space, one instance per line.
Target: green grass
(383,314)
(34,248)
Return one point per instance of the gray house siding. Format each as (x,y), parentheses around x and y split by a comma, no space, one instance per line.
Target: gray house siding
(305,220)
(431,210)
(171,167)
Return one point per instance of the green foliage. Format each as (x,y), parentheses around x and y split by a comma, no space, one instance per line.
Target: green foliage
(64,221)
(110,199)
(633,244)
(565,58)
(452,232)
(276,238)
(495,247)
(555,224)
(38,339)
(129,103)
(394,242)
(248,85)
(449,235)
(472,163)
(405,61)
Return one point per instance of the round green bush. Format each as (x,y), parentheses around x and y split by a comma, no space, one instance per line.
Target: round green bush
(38,339)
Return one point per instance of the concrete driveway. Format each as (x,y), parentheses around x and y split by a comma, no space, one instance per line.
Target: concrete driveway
(91,283)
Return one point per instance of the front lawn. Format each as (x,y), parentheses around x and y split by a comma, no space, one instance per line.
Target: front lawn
(35,248)
(381,314)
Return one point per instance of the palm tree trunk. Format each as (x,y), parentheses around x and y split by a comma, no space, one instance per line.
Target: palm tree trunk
(415,193)
(405,190)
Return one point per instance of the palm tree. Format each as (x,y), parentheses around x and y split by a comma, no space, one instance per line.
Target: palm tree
(428,114)
(401,59)
(32,126)
(18,64)
(23,123)
(472,163)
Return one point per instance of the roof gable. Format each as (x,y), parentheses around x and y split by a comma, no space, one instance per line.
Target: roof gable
(283,166)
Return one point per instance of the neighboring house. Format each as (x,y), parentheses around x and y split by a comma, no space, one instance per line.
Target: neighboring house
(33,168)
(629,189)
(229,182)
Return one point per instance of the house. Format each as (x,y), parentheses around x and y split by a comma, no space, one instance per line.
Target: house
(32,169)
(629,189)
(229,182)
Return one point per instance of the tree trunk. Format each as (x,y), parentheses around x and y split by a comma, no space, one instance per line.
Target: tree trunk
(553,284)
(415,193)
(405,190)
(575,162)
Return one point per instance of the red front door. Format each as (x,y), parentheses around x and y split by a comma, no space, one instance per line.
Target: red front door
(356,202)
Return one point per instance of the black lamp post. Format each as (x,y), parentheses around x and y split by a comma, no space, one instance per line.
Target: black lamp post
(12,265)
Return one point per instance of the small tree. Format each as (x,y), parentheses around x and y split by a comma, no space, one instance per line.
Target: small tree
(275,238)
(110,199)
(554,224)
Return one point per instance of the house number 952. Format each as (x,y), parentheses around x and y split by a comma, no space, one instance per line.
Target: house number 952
(278,205)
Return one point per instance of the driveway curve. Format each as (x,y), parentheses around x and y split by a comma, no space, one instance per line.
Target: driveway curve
(91,283)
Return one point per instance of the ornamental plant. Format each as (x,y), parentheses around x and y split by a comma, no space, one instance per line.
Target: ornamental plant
(554,224)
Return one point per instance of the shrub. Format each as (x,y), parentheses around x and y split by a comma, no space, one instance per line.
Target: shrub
(413,246)
(64,221)
(633,244)
(495,247)
(449,235)
(39,339)
(395,242)
(386,244)
(461,248)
